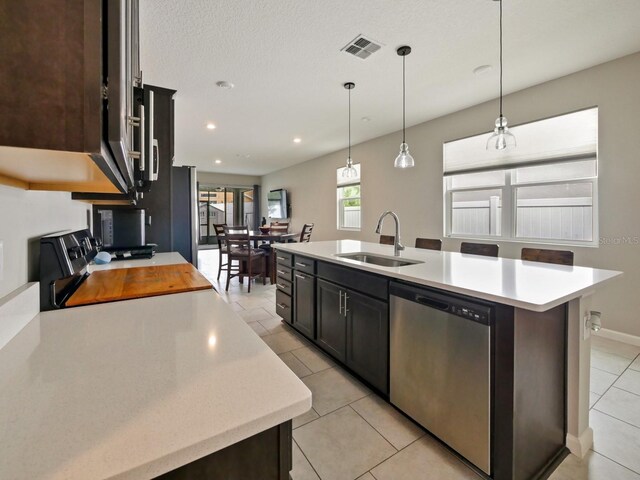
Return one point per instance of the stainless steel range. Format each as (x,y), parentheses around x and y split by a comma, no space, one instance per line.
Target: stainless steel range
(63,265)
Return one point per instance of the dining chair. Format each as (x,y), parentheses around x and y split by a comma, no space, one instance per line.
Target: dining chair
(305,235)
(279,226)
(219,229)
(239,249)
(559,257)
(387,239)
(485,249)
(429,243)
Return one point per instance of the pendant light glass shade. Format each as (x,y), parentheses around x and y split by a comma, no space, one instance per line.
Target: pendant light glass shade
(349,171)
(404,158)
(501,138)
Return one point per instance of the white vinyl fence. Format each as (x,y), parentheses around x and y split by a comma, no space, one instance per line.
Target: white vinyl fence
(545,218)
(351,217)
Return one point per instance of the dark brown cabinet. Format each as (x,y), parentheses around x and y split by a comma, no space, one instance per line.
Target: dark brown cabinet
(354,329)
(284,285)
(368,338)
(331,328)
(304,290)
(66,94)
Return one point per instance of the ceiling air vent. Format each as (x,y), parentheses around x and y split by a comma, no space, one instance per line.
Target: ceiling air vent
(361,47)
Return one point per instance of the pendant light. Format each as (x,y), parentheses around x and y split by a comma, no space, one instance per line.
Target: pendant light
(349,171)
(501,138)
(404,158)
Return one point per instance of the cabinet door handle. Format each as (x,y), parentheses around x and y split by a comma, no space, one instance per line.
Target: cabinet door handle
(282,305)
(300,264)
(340,303)
(300,276)
(345,304)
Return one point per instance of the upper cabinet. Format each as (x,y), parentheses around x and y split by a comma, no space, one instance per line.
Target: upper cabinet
(67,111)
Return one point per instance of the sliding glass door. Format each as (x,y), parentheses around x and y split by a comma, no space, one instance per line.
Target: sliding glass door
(229,205)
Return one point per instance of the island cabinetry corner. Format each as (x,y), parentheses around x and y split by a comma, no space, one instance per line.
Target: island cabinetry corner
(284,286)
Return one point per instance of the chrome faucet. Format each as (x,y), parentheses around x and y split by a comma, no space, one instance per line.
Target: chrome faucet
(397,246)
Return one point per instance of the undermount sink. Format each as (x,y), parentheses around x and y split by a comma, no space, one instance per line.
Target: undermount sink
(377,259)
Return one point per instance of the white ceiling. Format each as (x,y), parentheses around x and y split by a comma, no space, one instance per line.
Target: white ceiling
(284,58)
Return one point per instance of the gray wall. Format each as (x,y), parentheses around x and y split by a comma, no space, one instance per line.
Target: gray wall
(416,194)
(25,216)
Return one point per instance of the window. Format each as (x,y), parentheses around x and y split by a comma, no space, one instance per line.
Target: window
(544,190)
(349,201)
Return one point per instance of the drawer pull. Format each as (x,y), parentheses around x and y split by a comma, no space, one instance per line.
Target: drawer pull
(281,286)
(300,276)
(281,272)
(282,305)
(300,264)
(281,258)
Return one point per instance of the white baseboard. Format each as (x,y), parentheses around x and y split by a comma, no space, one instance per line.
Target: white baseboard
(579,446)
(17,309)
(618,336)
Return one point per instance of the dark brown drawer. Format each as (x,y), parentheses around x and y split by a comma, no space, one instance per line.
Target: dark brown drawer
(284,272)
(284,285)
(364,282)
(283,306)
(304,264)
(284,259)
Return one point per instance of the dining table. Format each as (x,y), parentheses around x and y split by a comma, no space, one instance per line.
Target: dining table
(276,236)
(258,236)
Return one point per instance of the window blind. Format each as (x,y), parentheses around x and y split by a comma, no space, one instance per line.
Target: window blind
(573,136)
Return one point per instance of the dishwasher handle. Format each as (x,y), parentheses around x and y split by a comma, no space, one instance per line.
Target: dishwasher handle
(431,302)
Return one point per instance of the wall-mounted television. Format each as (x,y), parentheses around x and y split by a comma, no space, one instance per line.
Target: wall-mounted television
(277,203)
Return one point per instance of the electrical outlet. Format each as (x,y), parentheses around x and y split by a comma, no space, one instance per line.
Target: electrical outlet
(587,326)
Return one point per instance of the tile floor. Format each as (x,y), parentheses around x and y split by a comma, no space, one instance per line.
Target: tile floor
(350,433)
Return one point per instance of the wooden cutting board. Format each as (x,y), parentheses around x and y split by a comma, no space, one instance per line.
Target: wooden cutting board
(127,283)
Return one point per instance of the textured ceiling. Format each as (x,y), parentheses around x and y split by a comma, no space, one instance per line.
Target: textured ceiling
(284,58)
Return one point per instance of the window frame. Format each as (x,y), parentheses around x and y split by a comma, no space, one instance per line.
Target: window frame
(341,200)
(509,218)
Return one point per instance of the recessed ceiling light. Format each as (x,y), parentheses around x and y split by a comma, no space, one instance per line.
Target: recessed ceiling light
(297,140)
(366,119)
(218,161)
(225,84)
(211,126)
(482,69)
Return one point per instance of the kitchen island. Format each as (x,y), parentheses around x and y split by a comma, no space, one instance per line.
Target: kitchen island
(501,352)
(140,388)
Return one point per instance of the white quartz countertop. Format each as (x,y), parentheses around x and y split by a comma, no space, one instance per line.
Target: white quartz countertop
(529,285)
(136,388)
(165,258)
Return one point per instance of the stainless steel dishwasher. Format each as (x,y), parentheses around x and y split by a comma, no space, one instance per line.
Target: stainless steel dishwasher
(440,355)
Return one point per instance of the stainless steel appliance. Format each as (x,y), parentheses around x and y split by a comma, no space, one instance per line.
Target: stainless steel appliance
(147,154)
(120,226)
(184,217)
(63,261)
(440,364)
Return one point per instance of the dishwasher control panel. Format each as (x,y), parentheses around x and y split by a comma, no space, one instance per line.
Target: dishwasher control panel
(472,314)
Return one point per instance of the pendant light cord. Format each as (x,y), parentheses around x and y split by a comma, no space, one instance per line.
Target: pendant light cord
(501,58)
(349,124)
(403,99)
